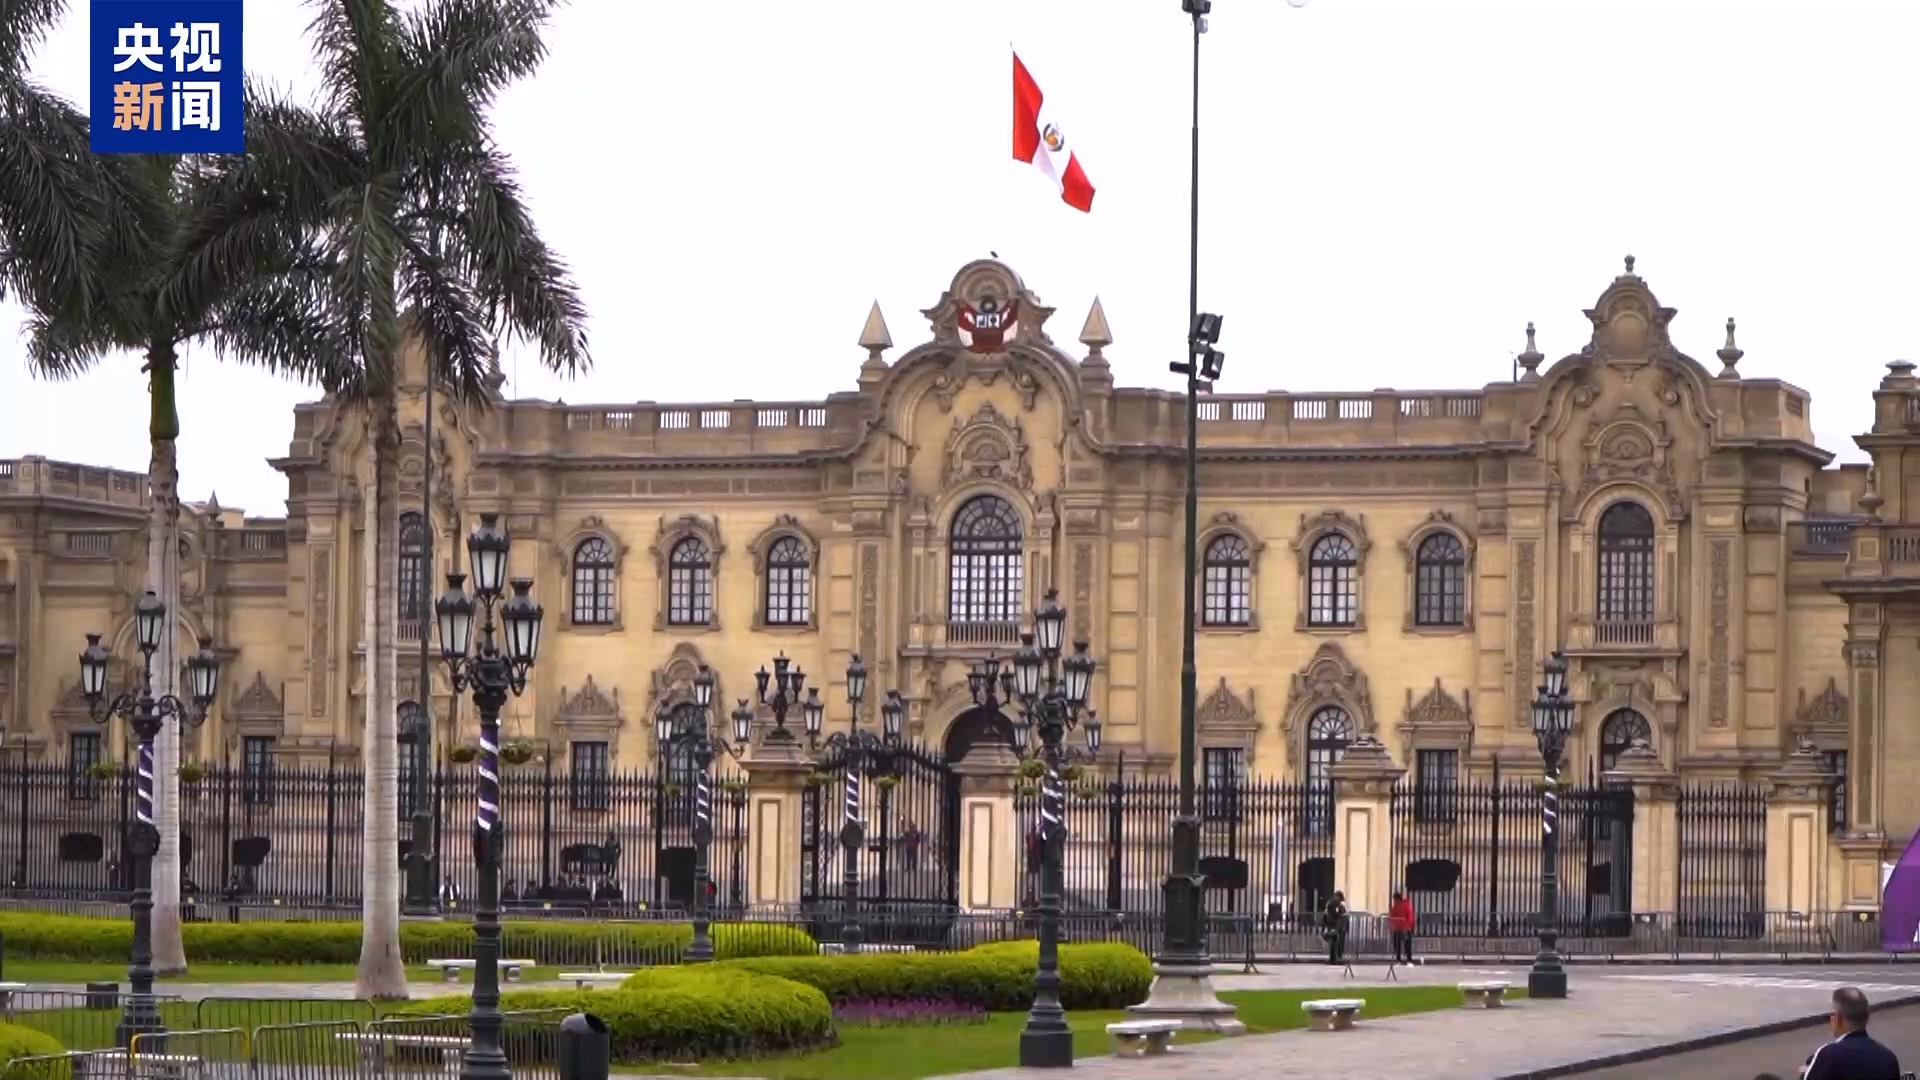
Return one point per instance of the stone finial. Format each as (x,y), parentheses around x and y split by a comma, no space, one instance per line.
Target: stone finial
(1871,502)
(1638,764)
(1530,359)
(1096,335)
(874,337)
(1730,354)
(1899,376)
(1803,768)
(1629,272)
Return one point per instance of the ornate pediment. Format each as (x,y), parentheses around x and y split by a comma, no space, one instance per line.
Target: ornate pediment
(1629,446)
(1225,711)
(1438,709)
(987,446)
(987,309)
(589,703)
(258,701)
(1629,325)
(673,530)
(671,683)
(1828,712)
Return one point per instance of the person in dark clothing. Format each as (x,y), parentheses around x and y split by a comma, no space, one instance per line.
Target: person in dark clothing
(1333,922)
(1400,921)
(1853,1054)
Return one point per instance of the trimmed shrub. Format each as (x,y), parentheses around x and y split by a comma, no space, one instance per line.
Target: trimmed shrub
(20,1042)
(997,977)
(682,1014)
(32,936)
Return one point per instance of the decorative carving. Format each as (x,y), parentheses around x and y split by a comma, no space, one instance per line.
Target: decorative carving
(258,700)
(671,683)
(966,367)
(589,703)
(1225,719)
(1523,589)
(1825,713)
(320,644)
(1863,654)
(870,601)
(983,286)
(1719,586)
(1328,679)
(1083,591)
(1629,327)
(590,525)
(1629,447)
(1493,522)
(1326,521)
(1438,709)
(987,446)
(1761,519)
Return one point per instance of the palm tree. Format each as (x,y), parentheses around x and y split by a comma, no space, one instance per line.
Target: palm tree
(90,246)
(396,168)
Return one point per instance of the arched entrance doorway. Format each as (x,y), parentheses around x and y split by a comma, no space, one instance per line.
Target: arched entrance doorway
(977,727)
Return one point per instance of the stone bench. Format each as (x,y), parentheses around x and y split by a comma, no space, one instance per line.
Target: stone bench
(158,1066)
(374,1044)
(1332,1014)
(450,969)
(586,980)
(1138,1038)
(1484,995)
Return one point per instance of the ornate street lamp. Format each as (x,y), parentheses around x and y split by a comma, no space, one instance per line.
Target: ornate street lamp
(1052,693)
(781,691)
(1552,721)
(861,753)
(492,673)
(695,734)
(145,714)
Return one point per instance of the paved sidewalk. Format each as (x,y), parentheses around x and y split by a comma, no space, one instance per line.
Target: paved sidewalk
(1608,1014)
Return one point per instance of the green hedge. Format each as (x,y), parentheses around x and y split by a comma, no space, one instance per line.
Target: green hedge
(20,1042)
(682,1014)
(997,977)
(31,936)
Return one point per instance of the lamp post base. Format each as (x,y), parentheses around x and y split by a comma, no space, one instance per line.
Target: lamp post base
(1185,993)
(1046,1048)
(1548,976)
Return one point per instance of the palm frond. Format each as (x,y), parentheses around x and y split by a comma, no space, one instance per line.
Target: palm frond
(524,286)
(455,58)
(290,322)
(354,42)
(61,348)
(51,222)
(24,25)
(449,321)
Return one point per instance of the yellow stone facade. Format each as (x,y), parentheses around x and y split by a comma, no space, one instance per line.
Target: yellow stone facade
(1780,604)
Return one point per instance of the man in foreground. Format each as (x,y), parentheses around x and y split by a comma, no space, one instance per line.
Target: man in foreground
(1853,1054)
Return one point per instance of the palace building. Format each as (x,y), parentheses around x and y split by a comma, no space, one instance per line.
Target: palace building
(1378,563)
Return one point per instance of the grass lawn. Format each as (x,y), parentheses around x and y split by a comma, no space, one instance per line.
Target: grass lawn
(911,1052)
(61,971)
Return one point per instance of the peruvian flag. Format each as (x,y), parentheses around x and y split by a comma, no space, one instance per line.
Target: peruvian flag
(1038,141)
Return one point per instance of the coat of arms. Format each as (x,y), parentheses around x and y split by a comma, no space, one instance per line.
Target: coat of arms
(985,329)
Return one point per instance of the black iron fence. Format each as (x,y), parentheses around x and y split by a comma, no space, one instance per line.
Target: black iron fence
(1468,855)
(1266,846)
(910,853)
(1720,885)
(292,835)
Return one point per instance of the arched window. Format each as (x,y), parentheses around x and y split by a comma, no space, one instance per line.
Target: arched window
(788,573)
(1329,731)
(1440,581)
(1621,729)
(1625,580)
(593,582)
(984,563)
(1333,582)
(1228,580)
(412,600)
(690,583)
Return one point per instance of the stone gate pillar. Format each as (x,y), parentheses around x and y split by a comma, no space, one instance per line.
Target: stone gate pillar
(777,771)
(989,837)
(1656,835)
(1797,850)
(1363,860)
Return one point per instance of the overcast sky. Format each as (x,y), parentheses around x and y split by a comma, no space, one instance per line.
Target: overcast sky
(1391,190)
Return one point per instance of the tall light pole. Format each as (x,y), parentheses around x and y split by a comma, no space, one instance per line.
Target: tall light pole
(423,898)
(862,754)
(1052,692)
(697,738)
(146,715)
(493,674)
(1552,721)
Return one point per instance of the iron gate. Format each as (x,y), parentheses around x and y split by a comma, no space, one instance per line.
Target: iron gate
(911,857)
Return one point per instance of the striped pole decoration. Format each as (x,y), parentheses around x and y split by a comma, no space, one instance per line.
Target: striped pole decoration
(853,789)
(143,788)
(489,814)
(1550,802)
(703,798)
(1053,799)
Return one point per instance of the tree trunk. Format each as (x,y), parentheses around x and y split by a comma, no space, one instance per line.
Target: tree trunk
(163,576)
(383,973)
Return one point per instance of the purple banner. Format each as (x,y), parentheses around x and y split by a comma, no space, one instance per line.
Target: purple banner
(1900,904)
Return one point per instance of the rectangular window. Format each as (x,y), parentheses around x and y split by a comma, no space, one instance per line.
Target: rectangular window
(589,776)
(1436,785)
(83,753)
(1220,772)
(256,769)
(1837,804)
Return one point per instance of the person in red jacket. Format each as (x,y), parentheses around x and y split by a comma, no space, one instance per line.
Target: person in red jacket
(1400,921)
